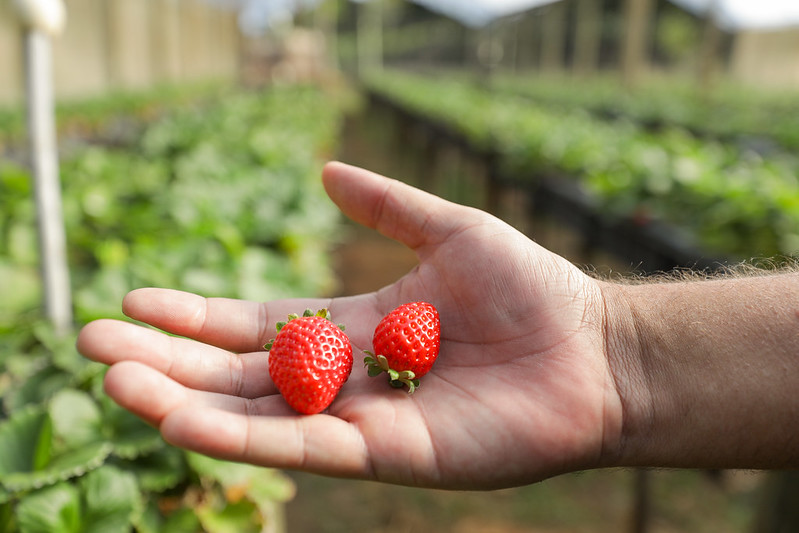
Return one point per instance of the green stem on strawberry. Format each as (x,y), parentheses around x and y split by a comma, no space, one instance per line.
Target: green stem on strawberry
(323,313)
(377,364)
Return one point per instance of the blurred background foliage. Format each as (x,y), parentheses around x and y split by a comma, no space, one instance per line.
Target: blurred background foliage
(191,138)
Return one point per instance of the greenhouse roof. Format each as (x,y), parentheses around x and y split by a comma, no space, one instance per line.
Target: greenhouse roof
(477,13)
(734,15)
(731,14)
(747,14)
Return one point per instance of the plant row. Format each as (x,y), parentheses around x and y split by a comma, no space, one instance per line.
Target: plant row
(765,120)
(103,118)
(734,204)
(223,200)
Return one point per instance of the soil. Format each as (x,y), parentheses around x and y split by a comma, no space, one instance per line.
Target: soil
(367,261)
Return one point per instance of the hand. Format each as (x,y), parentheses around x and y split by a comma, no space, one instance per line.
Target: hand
(521,390)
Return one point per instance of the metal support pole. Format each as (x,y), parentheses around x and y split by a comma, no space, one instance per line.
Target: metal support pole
(47,188)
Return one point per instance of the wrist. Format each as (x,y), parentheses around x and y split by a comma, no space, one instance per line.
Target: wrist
(705,372)
(624,345)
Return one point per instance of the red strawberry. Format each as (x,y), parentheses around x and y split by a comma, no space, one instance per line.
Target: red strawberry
(309,361)
(406,344)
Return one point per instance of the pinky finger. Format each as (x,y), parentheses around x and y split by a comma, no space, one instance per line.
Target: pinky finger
(320,444)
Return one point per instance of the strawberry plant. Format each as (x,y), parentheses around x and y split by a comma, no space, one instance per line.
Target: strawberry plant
(221,199)
(731,202)
(72,460)
(728,112)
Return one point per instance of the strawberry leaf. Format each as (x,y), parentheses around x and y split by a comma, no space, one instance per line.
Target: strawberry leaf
(158,471)
(76,419)
(111,497)
(22,446)
(54,509)
(129,435)
(28,459)
(251,479)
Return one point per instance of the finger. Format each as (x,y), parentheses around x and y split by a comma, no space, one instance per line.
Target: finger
(321,444)
(152,395)
(235,325)
(193,364)
(397,210)
(264,431)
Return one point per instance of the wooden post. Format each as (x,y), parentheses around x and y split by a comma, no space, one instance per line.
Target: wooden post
(370,36)
(587,37)
(777,512)
(553,33)
(635,47)
(47,189)
(642,501)
(326,21)
(709,50)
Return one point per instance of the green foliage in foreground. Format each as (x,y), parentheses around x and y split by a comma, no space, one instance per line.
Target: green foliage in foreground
(735,203)
(224,200)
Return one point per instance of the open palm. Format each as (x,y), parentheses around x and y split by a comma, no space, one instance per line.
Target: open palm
(521,389)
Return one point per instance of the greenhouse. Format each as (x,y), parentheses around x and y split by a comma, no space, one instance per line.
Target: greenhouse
(385,265)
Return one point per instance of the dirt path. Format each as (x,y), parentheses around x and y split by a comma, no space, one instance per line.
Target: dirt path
(367,261)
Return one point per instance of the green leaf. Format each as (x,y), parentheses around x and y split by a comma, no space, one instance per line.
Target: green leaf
(22,447)
(36,388)
(62,350)
(28,459)
(101,298)
(158,471)
(54,509)
(60,468)
(374,370)
(130,436)
(44,445)
(150,519)
(269,487)
(112,496)
(240,517)
(27,289)
(76,419)
(259,483)
(5,497)
(181,521)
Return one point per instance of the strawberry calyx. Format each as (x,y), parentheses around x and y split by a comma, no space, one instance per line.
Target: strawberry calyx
(322,313)
(377,364)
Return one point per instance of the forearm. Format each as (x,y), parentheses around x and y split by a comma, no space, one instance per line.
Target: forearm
(707,371)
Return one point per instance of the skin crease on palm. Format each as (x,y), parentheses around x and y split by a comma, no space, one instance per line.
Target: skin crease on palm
(522,389)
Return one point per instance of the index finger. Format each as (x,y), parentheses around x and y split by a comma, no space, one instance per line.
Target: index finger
(234,325)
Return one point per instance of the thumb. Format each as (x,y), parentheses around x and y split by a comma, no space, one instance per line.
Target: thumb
(395,209)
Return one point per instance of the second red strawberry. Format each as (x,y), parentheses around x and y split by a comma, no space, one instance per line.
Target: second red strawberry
(406,343)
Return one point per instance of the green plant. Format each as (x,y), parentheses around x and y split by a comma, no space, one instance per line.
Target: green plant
(731,201)
(72,460)
(223,199)
(729,112)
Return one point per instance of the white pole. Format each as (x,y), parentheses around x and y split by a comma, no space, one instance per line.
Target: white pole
(47,188)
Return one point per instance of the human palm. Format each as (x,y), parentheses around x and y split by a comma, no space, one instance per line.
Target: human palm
(521,389)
